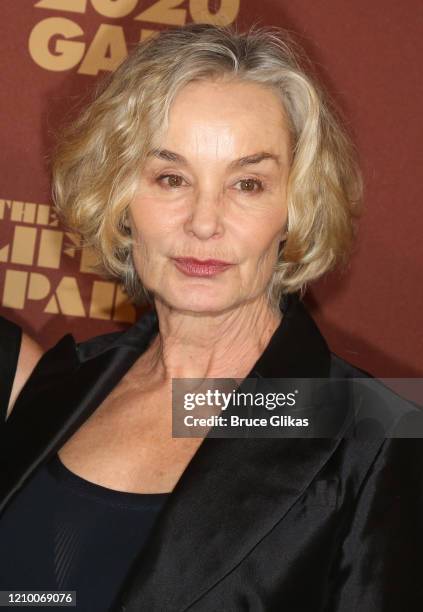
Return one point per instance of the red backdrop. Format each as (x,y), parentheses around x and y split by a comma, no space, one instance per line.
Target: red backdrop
(367,53)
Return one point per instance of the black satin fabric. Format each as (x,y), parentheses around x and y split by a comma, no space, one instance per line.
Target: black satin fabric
(293,524)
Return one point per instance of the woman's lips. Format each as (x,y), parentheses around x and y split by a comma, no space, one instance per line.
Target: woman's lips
(196,267)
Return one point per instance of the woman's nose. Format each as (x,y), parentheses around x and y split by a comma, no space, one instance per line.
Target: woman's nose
(205,216)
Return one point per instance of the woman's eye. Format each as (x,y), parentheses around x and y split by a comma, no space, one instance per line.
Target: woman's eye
(250,185)
(170,180)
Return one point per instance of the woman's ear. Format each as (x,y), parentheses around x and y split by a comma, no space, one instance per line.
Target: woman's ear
(126,224)
(283,238)
(284,235)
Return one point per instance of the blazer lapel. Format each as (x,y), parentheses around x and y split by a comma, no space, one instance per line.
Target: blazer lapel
(233,491)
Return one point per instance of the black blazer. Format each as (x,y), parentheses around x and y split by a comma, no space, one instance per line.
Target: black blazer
(295,525)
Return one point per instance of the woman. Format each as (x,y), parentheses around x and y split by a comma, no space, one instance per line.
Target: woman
(211,176)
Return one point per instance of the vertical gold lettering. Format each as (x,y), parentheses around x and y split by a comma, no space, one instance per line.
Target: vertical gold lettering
(23,245)
(52,306)
(43,214)
(14,289)
(50,248)
(23,212)
(29,212)
(69,297)
(17,211)
(66,53)
(39,286)
(107,50)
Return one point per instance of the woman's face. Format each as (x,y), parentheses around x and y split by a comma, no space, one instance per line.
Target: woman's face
(213,191)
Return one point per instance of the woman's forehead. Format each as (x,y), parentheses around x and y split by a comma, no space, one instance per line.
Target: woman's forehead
(226,120)
(217,99)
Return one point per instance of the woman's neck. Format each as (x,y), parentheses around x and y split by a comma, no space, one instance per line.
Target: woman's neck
(212,346)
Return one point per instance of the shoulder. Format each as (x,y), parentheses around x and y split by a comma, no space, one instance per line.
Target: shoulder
(72,364)
(135,337)
(340,368)
(20,354)
(375,406)
(67,353)
(90,348)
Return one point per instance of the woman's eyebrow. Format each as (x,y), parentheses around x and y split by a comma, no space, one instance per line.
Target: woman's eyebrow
(255,158)
(167,155)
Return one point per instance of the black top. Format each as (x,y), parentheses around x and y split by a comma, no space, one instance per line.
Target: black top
(62,532)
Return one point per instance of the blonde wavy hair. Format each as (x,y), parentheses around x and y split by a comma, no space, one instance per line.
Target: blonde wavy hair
(97,163)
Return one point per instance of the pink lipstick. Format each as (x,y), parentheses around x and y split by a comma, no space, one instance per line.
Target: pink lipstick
(196,267)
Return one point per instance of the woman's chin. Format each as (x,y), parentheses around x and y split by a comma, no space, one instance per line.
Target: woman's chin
(199,301)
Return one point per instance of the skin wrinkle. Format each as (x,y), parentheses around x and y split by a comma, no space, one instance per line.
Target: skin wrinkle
(204,322)
(242,161)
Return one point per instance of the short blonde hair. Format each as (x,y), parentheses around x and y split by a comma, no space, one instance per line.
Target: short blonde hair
(97,163)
